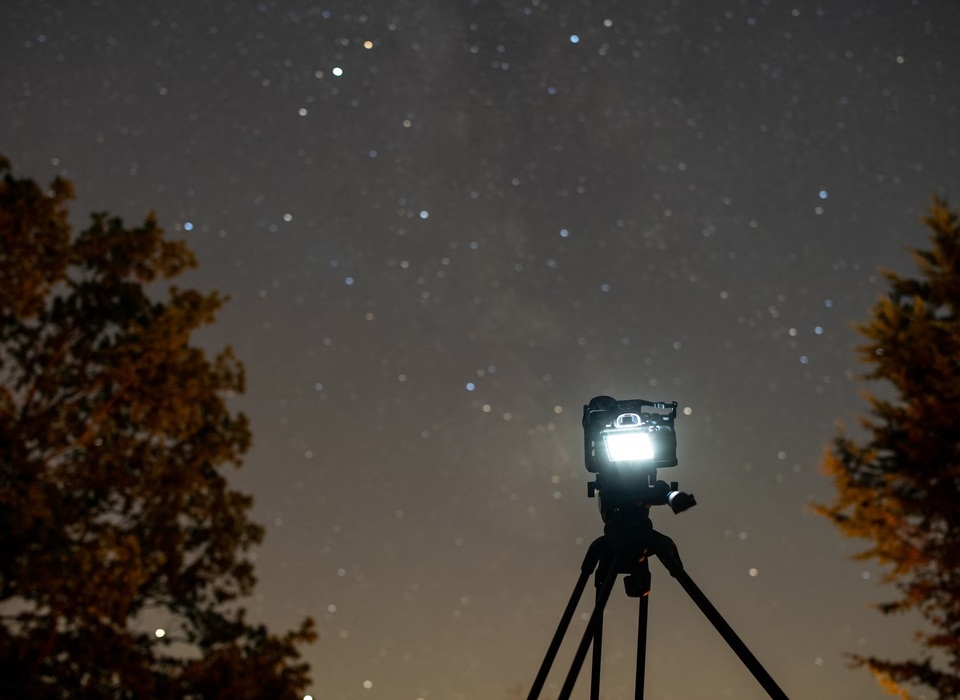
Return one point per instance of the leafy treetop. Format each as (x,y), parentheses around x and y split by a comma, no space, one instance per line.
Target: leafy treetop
(900,486)
(114,431)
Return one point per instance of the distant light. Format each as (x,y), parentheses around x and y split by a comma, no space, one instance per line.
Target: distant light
(574,39)
(564,233)
(160,633)
(302,111)
(818,330)
(348,281)
(471,386)
(424,214)
(754,572)
(288,217)
(368,684)
(372,153)
(337,71)
(368,44)
(823,194)
(188,226)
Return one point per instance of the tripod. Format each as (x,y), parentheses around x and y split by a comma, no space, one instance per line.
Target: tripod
(624,548)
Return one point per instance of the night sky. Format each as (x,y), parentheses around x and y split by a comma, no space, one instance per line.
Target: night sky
(445,225)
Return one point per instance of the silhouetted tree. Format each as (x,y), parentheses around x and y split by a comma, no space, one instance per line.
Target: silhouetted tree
(113,506)
(899,487)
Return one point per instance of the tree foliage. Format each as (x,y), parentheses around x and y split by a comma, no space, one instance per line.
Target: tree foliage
(114,510)
(899,488)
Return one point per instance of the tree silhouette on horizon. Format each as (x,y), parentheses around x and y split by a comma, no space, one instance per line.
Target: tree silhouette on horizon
(114,438)
(899,486)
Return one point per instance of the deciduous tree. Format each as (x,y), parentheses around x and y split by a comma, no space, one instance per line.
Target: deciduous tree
(898,486)
(114,506)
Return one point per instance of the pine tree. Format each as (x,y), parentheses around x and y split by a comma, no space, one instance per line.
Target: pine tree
(899,487)
(114,433)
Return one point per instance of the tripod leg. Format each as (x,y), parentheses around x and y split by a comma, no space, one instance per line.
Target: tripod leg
(590,634)
(641,645)
(589,564)
(597,650)
(637,584)
(667,552)
(558,636)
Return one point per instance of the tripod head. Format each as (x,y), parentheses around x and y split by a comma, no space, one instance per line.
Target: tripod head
(626,508)
(625,442)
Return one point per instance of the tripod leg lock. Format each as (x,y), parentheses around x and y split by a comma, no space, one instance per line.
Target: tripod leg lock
(637,583)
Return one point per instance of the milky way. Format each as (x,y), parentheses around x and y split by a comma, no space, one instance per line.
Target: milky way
(445,225)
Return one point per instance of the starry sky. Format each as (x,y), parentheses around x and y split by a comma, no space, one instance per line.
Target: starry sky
(445,225)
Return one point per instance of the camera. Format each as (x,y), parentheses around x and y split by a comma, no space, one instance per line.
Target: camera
(625,442)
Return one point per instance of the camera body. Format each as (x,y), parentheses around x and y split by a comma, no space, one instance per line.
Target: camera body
(623,436)
(625,442)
